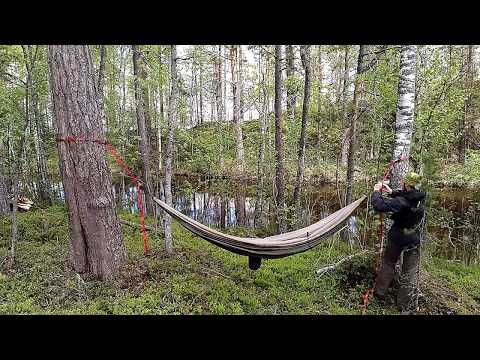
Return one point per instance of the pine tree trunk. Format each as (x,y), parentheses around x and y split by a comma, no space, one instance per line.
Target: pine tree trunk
(172,114)
(279,152)
(96,244)
(219,104)
(305,56)
(143,131)
(239,150)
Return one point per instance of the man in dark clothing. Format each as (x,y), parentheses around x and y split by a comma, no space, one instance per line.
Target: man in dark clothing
(408,212)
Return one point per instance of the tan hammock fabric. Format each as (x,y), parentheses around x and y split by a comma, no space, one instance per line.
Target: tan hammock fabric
(273,246)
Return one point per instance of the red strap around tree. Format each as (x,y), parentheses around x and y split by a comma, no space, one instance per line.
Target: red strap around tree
(129,173)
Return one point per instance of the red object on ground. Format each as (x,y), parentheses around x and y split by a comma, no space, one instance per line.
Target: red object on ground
(130,174)
(381,235)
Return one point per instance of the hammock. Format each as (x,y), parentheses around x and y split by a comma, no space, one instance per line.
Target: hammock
(271,247)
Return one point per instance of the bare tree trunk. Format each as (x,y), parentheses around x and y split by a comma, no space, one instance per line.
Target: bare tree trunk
(144,141)
(319,110)
(13,243)
(219,103)
(279,152)
(261,152)
(405,112)
(172,114)
(239,151)
(4,202)
(305,56)
(240,83)
(346,133)
(101,70)
(352,141)
(462,128)
(96,244)
(291,96)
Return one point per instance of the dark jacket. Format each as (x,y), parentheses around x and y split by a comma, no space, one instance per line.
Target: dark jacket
(407,212)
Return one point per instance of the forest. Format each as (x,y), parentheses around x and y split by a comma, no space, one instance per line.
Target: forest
(234,179)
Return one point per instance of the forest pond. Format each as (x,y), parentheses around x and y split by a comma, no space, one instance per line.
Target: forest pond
(453,222)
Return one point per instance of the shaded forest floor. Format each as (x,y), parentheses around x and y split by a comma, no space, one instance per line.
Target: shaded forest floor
(203,279)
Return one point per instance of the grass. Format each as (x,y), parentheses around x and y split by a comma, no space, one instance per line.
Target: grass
(203,279)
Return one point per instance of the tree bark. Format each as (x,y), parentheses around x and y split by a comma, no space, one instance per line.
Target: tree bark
(239,150)
(96,244)
(463,123)
(172,114)
(4,202)
(279,152)
(291,96)
(219,104)
(346,133)
(142,128)
(405,112)
(352,142)
(305,56)
(319,109)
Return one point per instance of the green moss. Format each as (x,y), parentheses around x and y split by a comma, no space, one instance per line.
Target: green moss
(199,278)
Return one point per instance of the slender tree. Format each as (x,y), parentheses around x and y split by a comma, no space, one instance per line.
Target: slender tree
(96,244)
(464,120)
(279,151)
(291,94)
(352,155)
(237,125)
(143,131)
(305,57)
(172,114)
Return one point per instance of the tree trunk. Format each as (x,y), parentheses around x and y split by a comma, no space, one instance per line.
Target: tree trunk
(239,151)
(305,56)
(279,152)
(101,70)
(4,202)
(352,141)
(346,134)
(240,83)
(291,98)
(219,104)
(143,131)
(463,123)
(319,110)
(95,234)
(405,112)
(172,114)
(261,151)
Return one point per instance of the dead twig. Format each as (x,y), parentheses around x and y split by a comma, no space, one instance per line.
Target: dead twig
(331,267)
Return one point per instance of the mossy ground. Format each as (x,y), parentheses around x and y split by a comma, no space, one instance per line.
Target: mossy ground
(203,279)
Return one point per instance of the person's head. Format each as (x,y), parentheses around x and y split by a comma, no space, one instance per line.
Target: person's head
(412,181)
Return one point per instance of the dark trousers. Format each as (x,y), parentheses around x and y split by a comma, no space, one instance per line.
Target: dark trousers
(406,298)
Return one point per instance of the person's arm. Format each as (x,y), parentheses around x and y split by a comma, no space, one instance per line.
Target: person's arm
(383,204)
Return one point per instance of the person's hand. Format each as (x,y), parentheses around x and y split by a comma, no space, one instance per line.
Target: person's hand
(378,186)
(383,186)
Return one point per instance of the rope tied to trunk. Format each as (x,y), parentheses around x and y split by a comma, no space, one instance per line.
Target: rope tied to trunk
(121,162)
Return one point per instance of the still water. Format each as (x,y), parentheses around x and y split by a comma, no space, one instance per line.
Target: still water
(453,222)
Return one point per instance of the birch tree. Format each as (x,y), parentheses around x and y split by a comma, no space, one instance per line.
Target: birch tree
(405,112)
(172,115)
(279,151)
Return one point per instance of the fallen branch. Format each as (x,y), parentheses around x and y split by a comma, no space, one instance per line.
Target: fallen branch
(131,224)
(331,267)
